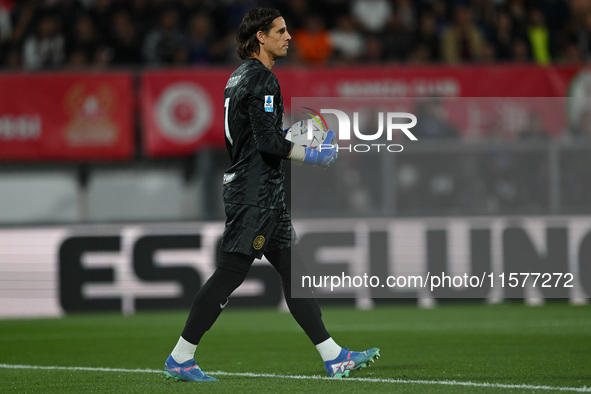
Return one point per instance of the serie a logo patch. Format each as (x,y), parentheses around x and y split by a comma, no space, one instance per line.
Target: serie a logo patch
(258,242)
(268,103)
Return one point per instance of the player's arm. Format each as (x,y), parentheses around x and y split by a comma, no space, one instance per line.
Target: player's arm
(264,119)
(270,139)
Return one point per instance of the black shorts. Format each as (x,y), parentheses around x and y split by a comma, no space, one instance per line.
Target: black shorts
(253,230)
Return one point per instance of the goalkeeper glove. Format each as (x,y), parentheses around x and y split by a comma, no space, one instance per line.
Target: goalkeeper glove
(323,156)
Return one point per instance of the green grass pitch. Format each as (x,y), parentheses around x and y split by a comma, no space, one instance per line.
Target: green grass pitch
(466,348)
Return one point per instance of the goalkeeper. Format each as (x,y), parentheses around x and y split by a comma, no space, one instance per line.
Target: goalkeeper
(258,222)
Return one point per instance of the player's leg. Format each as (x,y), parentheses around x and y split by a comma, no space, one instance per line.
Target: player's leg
(206,308)
(213,296)
(305,311)
(338,362)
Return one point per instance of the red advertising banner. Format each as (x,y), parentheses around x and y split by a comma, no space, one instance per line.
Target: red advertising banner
(182,111)
(83,116)
(90,116)
(427,81)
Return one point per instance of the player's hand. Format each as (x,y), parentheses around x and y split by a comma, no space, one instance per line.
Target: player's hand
(325,154)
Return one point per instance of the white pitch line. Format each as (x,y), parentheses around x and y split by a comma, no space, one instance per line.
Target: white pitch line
(315,377)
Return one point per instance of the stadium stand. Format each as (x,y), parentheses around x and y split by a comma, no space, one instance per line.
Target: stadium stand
(42,34)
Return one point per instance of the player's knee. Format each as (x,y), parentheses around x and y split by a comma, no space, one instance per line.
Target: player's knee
(281,261)
(235,262)
(230,278)
(285,273)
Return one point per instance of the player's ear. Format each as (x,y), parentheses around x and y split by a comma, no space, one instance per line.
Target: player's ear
(261,36)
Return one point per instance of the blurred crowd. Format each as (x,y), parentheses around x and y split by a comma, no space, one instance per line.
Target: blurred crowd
(58,34)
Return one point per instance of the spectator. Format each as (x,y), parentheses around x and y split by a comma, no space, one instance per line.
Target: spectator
(419,54)
(13,59)
(520,51)
(223,50)
(103,57)
(440,11)
(539,37)
(517,12)
(462,41)
(312,42)
(142,16)
(347,42)
(5,22)
(23,14)
(583,36)
(502,36)
(331,11)
(556,14)
(5,32)
(426,40)
(124,40)
(374,51)
(234,11)
(406,15)
(295,13)
(571,53)
(163,44)
(396,40)
(69,11)
(372,15)
(3,51)
(483,13)
(100,12)
(199,39)
(46,47)
(86,40)
(488,53)
(579,8)
(180,57)
(78,59)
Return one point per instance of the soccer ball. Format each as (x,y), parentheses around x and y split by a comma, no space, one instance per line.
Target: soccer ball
(309,133)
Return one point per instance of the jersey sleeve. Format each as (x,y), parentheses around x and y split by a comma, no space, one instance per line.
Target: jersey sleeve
(265,109)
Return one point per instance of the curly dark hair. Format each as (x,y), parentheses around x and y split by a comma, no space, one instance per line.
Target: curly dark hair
(253,21)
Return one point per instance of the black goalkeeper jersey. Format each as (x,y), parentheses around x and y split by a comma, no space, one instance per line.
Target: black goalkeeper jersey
(253,118)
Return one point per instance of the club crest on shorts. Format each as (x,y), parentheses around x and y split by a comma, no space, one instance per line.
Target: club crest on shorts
(268,103)
(258,242)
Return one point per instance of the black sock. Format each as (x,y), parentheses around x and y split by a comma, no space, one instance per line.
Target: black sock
(213,296)
(305,311)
